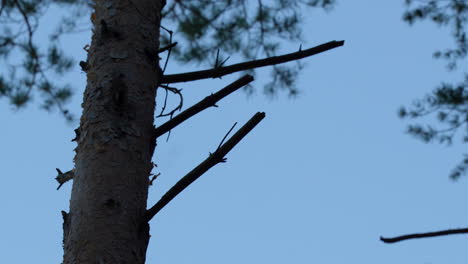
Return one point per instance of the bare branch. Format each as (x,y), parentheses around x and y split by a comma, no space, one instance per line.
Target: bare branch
(212,160)
(208,101)
(221,71)
(225,136)
(154,177)
(168,47)
(178,107)
(424,235)
(64,177)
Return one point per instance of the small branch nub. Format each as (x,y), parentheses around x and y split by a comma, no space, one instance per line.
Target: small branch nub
(64,177)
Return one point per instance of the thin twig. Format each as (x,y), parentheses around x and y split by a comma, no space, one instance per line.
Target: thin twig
(168,47)
(221,71)
(212,160)
(64,177)
(168,54)
(208,101)
(165,102)
(225,136)
(166,29)
(424,235)
(178,107)
(154,177)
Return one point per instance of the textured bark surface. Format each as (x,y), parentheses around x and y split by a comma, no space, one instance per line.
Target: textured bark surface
(113,158)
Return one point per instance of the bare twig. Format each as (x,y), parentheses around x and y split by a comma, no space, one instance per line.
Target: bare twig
(168,47)
(221,71)
(154,177)
(166,29)
(212,160)
(169,51)
(64,177)
(227,134)
(210,100)
(424,235)
(219,63)
(178,107)
(165,102)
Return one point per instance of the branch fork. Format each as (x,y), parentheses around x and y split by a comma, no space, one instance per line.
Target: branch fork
(447,232)
(213,159)
(218,72)
(64,177)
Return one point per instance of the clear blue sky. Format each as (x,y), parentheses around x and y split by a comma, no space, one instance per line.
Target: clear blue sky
(317,182)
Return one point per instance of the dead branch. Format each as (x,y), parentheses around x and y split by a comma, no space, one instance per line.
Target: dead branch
(225,136)
(221,71)
(175,91)
(208,101)
(168,47)
(212,160)
(424,235)
(153,177)
(64,177)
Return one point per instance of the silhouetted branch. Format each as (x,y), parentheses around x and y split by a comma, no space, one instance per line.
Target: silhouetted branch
(169,50)
(212,160)
(424,235)
(64,177)
(178,107)
(225,136)
(221,71)
(168,47)
(208,101)
(154,177)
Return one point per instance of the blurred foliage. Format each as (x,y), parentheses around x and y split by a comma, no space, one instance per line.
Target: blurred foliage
(448,103)
(251,28)
(451,13)
(28,69)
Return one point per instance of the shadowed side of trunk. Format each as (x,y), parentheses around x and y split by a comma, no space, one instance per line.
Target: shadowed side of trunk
(106,221)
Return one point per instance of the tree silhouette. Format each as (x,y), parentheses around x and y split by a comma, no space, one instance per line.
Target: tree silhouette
(108,220)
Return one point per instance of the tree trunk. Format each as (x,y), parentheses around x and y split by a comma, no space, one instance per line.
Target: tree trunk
(106,223)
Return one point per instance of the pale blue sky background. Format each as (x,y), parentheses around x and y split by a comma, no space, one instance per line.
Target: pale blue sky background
(318,181)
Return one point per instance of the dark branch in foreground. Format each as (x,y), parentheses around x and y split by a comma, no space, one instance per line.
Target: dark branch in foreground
(212,160)
(424,235)
(221,71)
(168,47)
(208,101)
(64,177)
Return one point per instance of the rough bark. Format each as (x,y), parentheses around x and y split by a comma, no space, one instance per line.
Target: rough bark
(106,221)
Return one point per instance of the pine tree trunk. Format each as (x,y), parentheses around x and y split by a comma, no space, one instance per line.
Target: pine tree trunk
(106,221)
